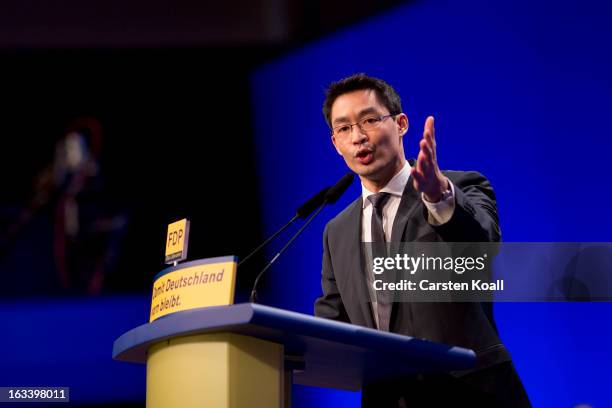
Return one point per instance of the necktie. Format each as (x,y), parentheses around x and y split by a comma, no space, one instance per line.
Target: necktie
(383,298)
(378,202)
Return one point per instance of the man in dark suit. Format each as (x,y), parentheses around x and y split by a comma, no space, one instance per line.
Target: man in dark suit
(406,201)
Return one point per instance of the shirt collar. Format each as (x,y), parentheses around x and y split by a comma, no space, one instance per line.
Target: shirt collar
(395,186)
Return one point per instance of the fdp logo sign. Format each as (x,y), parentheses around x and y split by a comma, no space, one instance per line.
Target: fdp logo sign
(177,240)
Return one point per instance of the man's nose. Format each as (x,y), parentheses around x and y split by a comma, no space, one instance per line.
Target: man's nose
(358,136)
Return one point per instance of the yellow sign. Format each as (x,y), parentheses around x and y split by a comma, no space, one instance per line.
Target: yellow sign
(202,283)
(177,241)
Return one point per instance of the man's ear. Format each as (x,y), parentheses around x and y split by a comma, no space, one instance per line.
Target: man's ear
(402,124)
(333,138)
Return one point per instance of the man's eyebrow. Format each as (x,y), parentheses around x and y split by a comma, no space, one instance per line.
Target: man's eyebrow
(363,112)
(367,111)
(341,119)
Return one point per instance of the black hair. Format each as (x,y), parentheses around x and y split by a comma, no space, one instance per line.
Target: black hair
(385,93)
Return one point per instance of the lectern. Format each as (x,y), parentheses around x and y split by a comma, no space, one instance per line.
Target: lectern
(247,355)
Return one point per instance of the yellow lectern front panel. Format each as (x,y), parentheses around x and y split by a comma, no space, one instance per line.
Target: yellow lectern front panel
(215,370)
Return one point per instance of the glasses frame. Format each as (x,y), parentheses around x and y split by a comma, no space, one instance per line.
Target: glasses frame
(380,118)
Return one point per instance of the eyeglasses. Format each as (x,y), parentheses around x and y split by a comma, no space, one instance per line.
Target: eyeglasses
(366,124)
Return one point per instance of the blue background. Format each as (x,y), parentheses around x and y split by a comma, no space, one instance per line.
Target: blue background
(68,343)
(521,92)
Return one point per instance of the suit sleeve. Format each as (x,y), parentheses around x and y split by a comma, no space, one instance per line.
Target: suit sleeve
(329,305)
(475,217)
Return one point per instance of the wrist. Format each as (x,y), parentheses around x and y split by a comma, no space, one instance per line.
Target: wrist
(438,194)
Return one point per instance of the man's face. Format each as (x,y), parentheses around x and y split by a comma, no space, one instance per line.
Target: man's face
(375,155)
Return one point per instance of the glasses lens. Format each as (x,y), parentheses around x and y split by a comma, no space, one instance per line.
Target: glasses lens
(342,130)
(370,123)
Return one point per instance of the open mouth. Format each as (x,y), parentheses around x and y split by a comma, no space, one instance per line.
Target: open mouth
(364,155)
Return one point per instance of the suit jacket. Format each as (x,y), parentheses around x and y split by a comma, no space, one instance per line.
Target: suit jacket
(345,296)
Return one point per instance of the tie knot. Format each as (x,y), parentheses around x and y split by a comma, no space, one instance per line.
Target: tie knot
(378,200)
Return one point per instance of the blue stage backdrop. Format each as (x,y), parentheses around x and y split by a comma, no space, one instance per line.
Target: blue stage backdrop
(521,91)
(68,343)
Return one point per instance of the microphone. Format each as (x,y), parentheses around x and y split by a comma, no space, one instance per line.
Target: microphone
(335,192)
(302,212)
(330,197)
(315,201)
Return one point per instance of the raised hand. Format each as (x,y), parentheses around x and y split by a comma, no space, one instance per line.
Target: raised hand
(426,175)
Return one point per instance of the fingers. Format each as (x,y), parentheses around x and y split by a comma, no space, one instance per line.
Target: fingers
(418,179)
(429,126)
(427,149)
(422,163)
(422,172)
(426,159)
(429,135)
(425,171)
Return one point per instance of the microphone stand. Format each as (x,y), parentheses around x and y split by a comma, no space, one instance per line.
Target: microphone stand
(253,298)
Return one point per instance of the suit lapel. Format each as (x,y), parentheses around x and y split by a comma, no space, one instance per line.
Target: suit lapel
(409,204)
(356,271)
